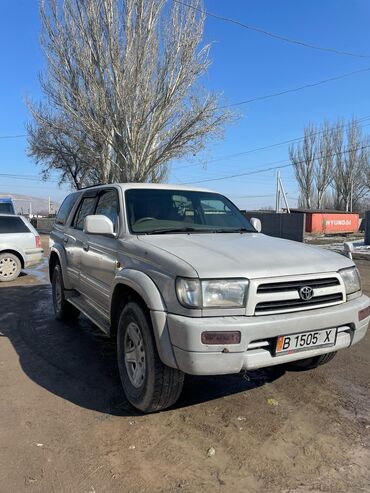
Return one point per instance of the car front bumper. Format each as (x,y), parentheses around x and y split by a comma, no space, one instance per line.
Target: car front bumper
(196,358)
(33,257)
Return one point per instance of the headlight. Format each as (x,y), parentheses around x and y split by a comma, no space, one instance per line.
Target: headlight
(213,293)
(351,279)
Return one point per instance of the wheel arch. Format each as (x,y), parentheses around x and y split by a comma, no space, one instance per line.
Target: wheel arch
(57,256)
(17,253)
(137,286)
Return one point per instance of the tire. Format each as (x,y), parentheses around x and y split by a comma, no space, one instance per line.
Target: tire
(10,267)
(63,310)
(149,385)
(311,363)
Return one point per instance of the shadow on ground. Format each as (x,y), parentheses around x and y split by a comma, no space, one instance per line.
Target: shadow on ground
(76,362)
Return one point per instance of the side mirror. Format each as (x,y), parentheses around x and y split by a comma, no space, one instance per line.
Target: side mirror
(348,249)
(98,225)
(256,223)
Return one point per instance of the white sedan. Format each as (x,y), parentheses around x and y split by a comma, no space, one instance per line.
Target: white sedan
(20,246)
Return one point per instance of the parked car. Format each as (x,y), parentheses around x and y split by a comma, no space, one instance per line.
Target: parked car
(6,206)
(188,285)
(20,246)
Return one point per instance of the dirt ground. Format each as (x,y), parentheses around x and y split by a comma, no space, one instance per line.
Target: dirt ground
(66,427)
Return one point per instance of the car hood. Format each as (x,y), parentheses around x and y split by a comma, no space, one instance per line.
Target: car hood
(251,255)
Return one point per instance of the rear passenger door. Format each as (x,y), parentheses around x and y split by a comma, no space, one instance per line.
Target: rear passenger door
(75,238)
(99,256)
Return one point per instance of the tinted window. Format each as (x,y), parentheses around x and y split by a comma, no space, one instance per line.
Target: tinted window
(108,206)
(6,208)
(151,211)
(12,225)
(85,208)
(66,208)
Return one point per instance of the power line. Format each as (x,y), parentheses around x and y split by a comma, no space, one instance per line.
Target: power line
(296,89)
(280,37)
(261,98)
(254,172)
(259,196)
(12,136)
(284,142)
(24,177)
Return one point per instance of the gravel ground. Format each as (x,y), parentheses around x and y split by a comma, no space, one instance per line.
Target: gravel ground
(66,427)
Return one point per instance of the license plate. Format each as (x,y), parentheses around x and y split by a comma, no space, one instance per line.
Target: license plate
(305,340)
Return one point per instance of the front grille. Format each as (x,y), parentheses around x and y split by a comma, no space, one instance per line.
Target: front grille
(282,305)
(283,294)
(274,287)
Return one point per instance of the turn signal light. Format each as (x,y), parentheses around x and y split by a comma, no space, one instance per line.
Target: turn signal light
(217,337)
(364,313)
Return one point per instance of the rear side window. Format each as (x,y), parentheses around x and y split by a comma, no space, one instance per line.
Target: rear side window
(65,208)
(12,225)
(86,207)
(6,208)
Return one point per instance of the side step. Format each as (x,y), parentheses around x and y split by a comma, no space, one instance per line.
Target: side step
(91,312)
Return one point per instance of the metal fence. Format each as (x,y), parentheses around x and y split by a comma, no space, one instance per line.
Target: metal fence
(367,228)
(280,225)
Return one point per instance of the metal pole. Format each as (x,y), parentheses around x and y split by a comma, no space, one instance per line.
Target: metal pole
(284,195)
(277,198)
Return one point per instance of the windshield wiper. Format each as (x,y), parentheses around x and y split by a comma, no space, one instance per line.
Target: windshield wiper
(236,230)
(162,231)
(189,229)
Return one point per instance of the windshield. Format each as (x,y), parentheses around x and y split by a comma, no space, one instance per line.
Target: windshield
(182,211)
(6,208)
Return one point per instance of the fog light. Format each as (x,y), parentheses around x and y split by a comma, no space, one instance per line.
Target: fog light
(221,337)
(364,313)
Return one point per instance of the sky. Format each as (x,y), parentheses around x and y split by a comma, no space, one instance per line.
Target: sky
(245,65)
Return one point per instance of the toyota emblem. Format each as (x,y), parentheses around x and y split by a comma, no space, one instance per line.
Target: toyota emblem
(306,293)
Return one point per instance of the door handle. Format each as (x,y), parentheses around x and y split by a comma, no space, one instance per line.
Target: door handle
(85,246)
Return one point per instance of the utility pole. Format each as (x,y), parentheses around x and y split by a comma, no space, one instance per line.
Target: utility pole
(284,195)
(280,191)
(277,198)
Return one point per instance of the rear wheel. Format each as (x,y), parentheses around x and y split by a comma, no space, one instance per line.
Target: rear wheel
(63,310)
(10,267)
(149,385)
(311,363)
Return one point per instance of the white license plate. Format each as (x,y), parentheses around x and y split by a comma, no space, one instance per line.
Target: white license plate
(305,340)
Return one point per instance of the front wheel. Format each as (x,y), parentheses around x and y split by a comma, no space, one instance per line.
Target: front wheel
(149,385)
(311,363)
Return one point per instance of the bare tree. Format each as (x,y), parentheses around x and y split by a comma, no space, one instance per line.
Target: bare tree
(323,170)
(332,165)
(122,89)
(351,164)
(303,157)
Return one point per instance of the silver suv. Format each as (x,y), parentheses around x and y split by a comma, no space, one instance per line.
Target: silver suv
(186,284)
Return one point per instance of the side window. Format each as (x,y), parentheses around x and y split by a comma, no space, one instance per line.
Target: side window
(65,208)
(12,225)
(85,208)
(108,206)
